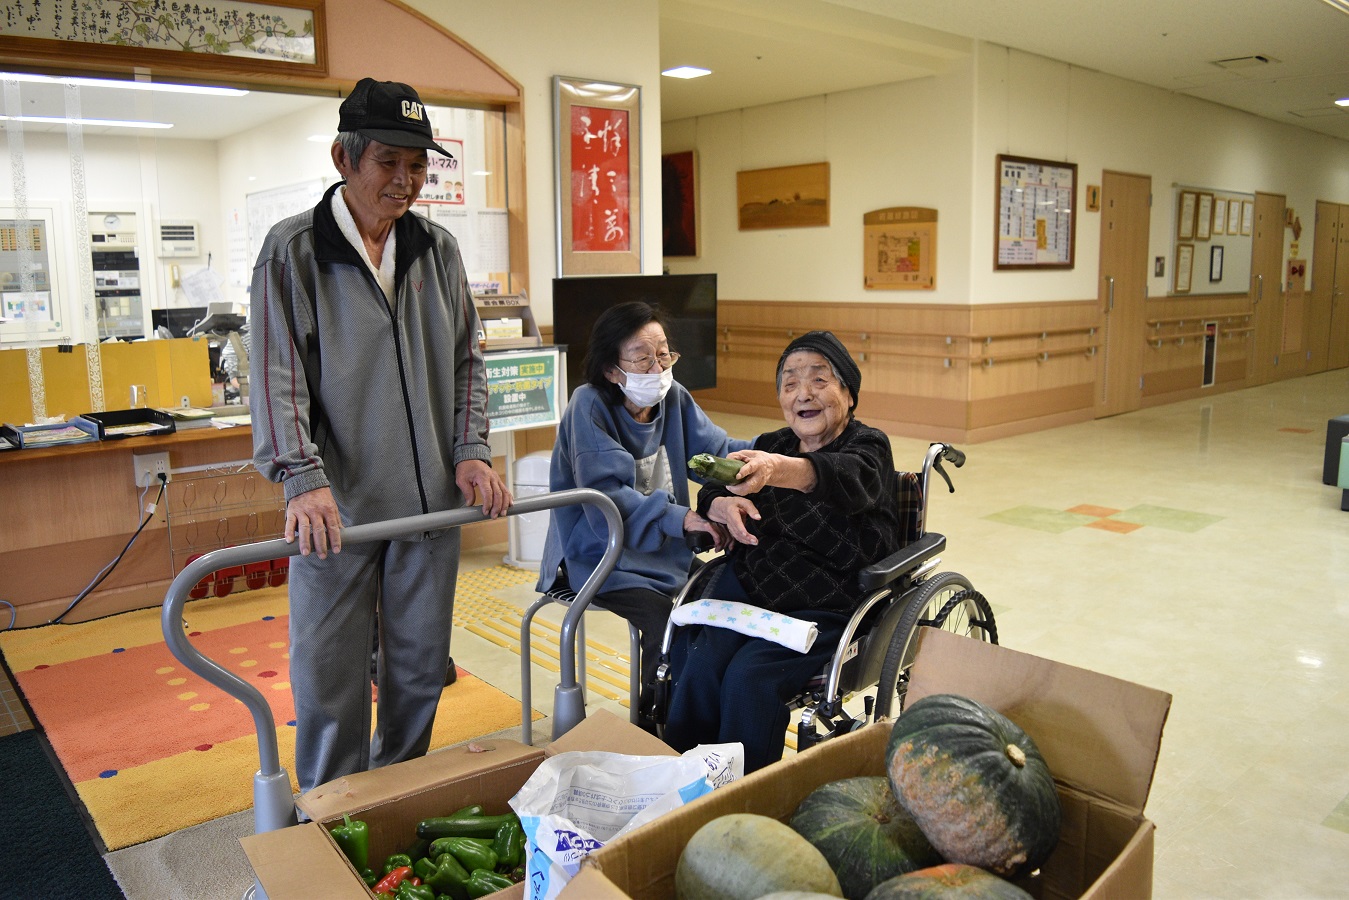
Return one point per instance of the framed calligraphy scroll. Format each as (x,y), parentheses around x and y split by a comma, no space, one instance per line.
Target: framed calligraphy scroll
(210,36)
(598,176)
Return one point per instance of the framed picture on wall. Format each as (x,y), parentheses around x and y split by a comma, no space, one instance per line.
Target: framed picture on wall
(1186,205)
(1203,222)
(1215,263)
(281,36)
(1035,216)
(783,197)
(1234,216)
(598,177)
(679,203)
(1219,215)
(1184,267)
(1247,216)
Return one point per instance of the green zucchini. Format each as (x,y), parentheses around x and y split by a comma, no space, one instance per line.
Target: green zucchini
(462,826)
(716,468)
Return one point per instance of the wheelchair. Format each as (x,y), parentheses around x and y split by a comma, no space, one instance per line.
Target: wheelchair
(900,594)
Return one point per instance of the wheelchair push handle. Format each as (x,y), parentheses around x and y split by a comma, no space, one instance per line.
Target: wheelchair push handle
(699,541)
(935,454)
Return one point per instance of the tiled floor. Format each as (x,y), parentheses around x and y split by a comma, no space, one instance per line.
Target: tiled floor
(13,716)
(1191,548)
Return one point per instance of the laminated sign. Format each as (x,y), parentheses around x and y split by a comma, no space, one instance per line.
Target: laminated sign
(576,802)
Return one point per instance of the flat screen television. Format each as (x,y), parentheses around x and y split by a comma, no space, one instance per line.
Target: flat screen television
(689,302)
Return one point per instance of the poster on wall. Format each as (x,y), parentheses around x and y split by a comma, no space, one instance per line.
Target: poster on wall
(444,174)
(1036,217)
(899,248)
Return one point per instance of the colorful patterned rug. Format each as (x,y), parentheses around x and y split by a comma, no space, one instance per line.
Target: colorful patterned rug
(151,747)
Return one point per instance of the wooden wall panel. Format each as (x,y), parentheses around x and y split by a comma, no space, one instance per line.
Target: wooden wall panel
(924,366)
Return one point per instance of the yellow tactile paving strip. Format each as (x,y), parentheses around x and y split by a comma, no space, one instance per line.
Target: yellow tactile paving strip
(478,612)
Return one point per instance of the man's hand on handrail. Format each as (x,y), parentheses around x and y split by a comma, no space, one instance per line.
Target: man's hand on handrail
(314,519)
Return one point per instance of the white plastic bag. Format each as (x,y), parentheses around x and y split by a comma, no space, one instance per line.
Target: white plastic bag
(577,802)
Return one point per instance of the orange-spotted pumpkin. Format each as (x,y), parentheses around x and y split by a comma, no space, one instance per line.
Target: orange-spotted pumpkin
(975,783)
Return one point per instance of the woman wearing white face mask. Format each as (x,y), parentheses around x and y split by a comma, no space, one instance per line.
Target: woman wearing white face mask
(629,432)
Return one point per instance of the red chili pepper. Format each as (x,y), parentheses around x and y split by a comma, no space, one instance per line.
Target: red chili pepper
(391,881)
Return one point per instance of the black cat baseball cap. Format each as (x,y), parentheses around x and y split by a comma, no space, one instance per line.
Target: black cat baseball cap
(389,112)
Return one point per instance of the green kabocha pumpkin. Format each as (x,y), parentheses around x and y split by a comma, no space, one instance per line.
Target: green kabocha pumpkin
(864,833)
(946,881)
(975,783)
(742,856)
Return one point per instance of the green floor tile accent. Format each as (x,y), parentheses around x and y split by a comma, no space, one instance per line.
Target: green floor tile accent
(1055,521)
(1170,519)
(1339,817)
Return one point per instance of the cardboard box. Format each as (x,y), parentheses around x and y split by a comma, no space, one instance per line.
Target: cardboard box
(1099,735)
(304,862)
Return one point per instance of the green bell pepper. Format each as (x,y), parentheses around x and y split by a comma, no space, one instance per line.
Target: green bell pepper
(445,874)
(396,861)
(369,876)
(509,845)
(354,839)
(409,891)
(418,849)
(473,853)
(482,882)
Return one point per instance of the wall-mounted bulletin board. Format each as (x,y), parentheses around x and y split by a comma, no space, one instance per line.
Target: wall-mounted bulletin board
(899,248)
(1209,231)
(1035,221)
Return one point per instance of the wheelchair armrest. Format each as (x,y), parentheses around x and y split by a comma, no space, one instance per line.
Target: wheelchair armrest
(906,559)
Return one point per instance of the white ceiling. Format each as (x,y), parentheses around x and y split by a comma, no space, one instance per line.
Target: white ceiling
(765,51)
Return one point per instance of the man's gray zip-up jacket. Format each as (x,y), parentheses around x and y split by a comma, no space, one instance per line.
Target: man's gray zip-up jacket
(379,401)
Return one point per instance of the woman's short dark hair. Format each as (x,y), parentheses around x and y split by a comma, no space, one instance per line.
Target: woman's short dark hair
(611,330)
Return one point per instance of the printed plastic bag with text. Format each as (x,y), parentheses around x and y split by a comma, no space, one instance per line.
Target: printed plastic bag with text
(577,802)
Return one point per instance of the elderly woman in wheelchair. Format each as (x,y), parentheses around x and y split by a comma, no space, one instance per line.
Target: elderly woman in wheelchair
(815,502)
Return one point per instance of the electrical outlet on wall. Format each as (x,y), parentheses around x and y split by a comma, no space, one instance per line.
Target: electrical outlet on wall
(149,466)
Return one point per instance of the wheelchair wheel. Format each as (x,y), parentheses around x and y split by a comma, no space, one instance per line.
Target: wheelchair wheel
(947,601)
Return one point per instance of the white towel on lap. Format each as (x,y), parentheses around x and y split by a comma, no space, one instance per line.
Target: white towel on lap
(795,634)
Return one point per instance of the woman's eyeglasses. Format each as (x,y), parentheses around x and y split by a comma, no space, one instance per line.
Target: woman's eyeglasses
(645,363)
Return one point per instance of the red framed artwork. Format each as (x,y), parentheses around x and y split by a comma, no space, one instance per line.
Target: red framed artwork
(679,203)
(598,177)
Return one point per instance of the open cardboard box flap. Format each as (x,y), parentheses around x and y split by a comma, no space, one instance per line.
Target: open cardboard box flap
(303,861)
(1098,734)
(1100,737)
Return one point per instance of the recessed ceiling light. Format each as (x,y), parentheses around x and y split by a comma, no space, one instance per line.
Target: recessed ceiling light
(1343,101)
(1341,5)
(686,72)
(88,123)
(126,85)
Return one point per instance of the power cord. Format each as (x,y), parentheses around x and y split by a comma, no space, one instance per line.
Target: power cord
(98,579)
(13,614)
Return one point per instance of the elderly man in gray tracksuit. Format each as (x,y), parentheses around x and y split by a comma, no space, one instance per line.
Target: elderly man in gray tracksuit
(369,403)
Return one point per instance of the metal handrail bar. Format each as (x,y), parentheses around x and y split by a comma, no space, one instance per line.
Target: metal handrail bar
(274,805)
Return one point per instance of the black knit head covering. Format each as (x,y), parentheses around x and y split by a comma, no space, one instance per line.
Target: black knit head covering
(832,349)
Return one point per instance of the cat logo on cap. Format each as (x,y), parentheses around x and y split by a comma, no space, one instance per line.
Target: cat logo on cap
(413,110)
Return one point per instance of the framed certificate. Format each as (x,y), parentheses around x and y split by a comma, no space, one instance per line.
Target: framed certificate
(1185,209)
(1184,267)
(1219,215)
(1203,222)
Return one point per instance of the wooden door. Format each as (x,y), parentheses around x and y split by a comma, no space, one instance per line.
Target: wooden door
(1338,356)
(1325,240)
(1266,291)
(1125,214)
